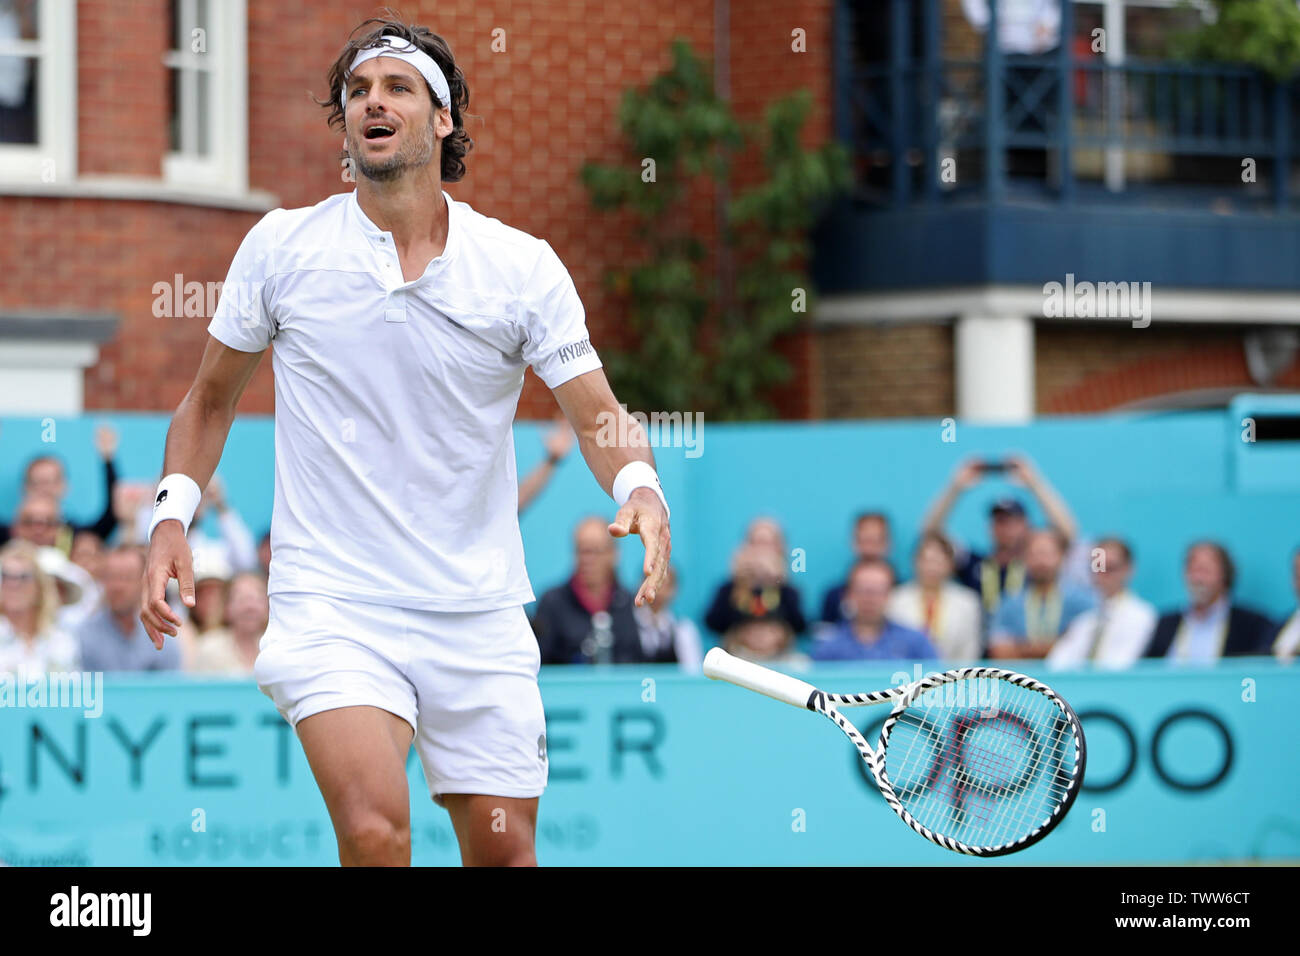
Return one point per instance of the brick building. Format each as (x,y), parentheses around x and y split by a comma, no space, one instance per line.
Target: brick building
(128,159)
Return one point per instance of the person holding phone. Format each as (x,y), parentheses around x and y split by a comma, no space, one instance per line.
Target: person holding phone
(1001,572)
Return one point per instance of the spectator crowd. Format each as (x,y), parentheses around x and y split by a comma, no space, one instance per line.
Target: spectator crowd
(70,593)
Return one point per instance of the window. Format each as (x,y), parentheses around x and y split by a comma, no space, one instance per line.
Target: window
(38,47)
(207,95)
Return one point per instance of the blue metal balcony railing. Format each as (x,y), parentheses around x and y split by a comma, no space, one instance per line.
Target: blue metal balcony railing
(1056,124)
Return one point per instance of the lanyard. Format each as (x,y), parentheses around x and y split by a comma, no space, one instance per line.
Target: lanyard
(1043,616)
(990,585)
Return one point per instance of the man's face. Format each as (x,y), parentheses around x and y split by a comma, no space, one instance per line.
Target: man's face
(1204,576)
(871,539)
(868,593)
(37,521)
(389,92)
(1113,576)
(1009,531)
(123,581)
(1042,558)
(45,477)
(247,609)
(594,554)
(88,553)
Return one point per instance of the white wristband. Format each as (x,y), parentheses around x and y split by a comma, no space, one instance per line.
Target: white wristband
(637,474)
(177,497)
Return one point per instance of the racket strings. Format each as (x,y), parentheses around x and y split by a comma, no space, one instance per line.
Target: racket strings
(985,764)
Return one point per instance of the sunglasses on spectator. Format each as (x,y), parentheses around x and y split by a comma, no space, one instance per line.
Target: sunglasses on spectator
(18,576)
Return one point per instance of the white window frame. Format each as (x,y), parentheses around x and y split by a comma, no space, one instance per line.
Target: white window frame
(225,168)
(56,100)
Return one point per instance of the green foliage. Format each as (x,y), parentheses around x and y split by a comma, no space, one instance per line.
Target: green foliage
(1262,33)
(701,347)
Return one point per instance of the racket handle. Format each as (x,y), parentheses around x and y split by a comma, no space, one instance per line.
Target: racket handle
(719,665)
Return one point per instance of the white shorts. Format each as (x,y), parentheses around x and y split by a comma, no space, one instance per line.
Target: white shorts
(466,682)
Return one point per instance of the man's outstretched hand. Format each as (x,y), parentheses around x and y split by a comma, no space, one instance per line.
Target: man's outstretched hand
(169,557)
(644,515)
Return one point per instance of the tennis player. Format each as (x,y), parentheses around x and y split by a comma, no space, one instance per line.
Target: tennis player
(403,322)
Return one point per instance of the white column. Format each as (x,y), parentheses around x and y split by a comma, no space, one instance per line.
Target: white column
(995,368)
(43,378)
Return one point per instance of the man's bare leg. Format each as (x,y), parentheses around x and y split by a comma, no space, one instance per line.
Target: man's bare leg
(493,831)
(358,756)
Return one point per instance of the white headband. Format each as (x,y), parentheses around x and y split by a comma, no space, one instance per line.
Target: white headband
(402,49)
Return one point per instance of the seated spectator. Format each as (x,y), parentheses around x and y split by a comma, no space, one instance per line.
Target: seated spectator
(232,650)
(757,587)
(768,640)
(1211,626)
(1002,573)
(87,552)
(114,638)
(588,619)
(31,642)
(872,538)
(77,591)
(1116,632)
(869,634)
(212,574)
(1028,624)
(37,520)
(46,477)
(664,635)
(1287,642)
(934,604)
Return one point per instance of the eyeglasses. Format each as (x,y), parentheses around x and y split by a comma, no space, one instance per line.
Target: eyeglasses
(17,577)
(44,522)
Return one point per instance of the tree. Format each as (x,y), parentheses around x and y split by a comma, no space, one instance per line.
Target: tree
(700,345)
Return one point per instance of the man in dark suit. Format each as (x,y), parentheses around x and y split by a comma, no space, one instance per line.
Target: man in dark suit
(1212,626)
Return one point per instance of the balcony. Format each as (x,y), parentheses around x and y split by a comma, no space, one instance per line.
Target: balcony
(1106,167)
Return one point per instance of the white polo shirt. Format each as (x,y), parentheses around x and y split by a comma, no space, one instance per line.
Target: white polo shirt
(394,457)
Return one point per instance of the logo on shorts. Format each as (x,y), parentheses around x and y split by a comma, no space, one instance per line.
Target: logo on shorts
(541,746)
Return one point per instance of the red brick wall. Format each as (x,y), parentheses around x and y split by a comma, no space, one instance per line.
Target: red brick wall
(538,110)
(764,67)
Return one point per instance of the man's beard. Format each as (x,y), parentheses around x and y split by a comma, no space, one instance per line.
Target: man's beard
(415,153)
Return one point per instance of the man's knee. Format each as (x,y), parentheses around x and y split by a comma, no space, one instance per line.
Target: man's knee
(371,839)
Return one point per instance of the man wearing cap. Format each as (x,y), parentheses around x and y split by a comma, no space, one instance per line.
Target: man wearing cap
(403,323)
(1001,573)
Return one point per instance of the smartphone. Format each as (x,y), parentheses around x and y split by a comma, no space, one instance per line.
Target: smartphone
(993,466)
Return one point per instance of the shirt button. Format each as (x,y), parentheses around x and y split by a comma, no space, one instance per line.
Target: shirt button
(383,238)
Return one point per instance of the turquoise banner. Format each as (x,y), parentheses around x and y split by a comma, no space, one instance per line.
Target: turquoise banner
(650,767)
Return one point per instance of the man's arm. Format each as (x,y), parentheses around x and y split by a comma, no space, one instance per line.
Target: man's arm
(195,440)
(589,404)
(1054,507)
(106,445)
(966,476)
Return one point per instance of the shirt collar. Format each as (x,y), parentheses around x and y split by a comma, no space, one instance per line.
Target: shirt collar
(374,233)
(1215,612)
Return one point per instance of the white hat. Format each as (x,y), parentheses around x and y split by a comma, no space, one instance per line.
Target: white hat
(211,562)
(75,579)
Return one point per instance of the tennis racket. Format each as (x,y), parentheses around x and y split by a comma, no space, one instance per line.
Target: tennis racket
(978,760)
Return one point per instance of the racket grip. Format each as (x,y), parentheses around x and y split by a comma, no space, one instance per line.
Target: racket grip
(719,665)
